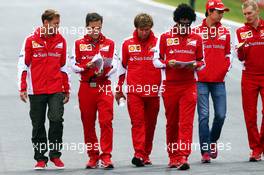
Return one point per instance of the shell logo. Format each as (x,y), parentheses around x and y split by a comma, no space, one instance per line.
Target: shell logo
(131,48)
(36,45)
(172,41)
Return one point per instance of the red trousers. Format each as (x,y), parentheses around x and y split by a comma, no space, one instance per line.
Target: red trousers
(252,86)
(143,112)
(92,101)
(179,101)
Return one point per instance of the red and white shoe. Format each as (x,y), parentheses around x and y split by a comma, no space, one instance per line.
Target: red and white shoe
(255,157)
(206,158)
(58,163)
(106,162)
(147,161)
(92,163)
(214,151)
(183,164)
(40,165)
(180,163)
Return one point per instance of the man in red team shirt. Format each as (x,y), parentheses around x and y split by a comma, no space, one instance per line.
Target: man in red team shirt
(43,77)
(216,44)
(179,53)
(142,91)
(250,53)
(94,94)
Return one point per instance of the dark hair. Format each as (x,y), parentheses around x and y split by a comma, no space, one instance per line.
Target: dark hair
(92,17)
(184,11)
(207,14)
(143,20)
(49,15)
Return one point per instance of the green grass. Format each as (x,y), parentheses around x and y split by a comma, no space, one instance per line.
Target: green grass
(235,13)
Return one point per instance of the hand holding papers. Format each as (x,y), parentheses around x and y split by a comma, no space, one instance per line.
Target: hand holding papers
(181,64)
(98,62)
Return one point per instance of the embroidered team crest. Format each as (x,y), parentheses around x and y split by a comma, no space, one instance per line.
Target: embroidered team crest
(134,48)
(85,47)
(246,35)
(59,46)
(173,41)
(191,42)
(104,48)
(222,37)
(261,33)
(36,45)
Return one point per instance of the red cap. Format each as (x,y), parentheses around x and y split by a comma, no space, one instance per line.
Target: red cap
(216,4)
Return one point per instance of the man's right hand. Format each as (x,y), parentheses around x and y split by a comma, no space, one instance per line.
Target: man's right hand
(172,63)
(23,96)
(118,96)
(240,45)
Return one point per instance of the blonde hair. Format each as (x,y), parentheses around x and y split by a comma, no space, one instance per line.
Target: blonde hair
(251,3)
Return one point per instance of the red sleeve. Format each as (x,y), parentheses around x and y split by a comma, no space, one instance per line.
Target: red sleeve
(162,49)
(228,48)
(241,54)
(199,53)
(122,66)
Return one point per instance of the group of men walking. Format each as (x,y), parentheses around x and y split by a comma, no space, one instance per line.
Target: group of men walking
(185,65)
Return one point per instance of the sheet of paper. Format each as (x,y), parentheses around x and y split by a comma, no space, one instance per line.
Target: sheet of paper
(98,61)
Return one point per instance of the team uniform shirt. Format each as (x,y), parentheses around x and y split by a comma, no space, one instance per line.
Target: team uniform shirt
(252,54)
(216,45)
(136,64)
(186,48)
(42,65)
(85,50)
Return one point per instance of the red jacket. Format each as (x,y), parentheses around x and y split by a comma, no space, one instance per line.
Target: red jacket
(252,54)
(85,49)
(216,44)
(42,65)
(136,63)
(181,48)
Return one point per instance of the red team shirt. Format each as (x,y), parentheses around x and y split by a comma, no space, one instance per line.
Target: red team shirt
(85,49)
(252,53)
(181,48)
(42,65)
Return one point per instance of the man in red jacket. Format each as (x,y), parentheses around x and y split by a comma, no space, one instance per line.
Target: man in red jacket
(250,53)
(42,63)
(179,54)
(216,44)
(94,59)
(142,91)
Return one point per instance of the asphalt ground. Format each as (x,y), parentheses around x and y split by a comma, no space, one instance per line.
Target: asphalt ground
(18,18)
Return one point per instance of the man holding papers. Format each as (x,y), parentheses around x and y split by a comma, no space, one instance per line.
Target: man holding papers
(179,96)
(89,55)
